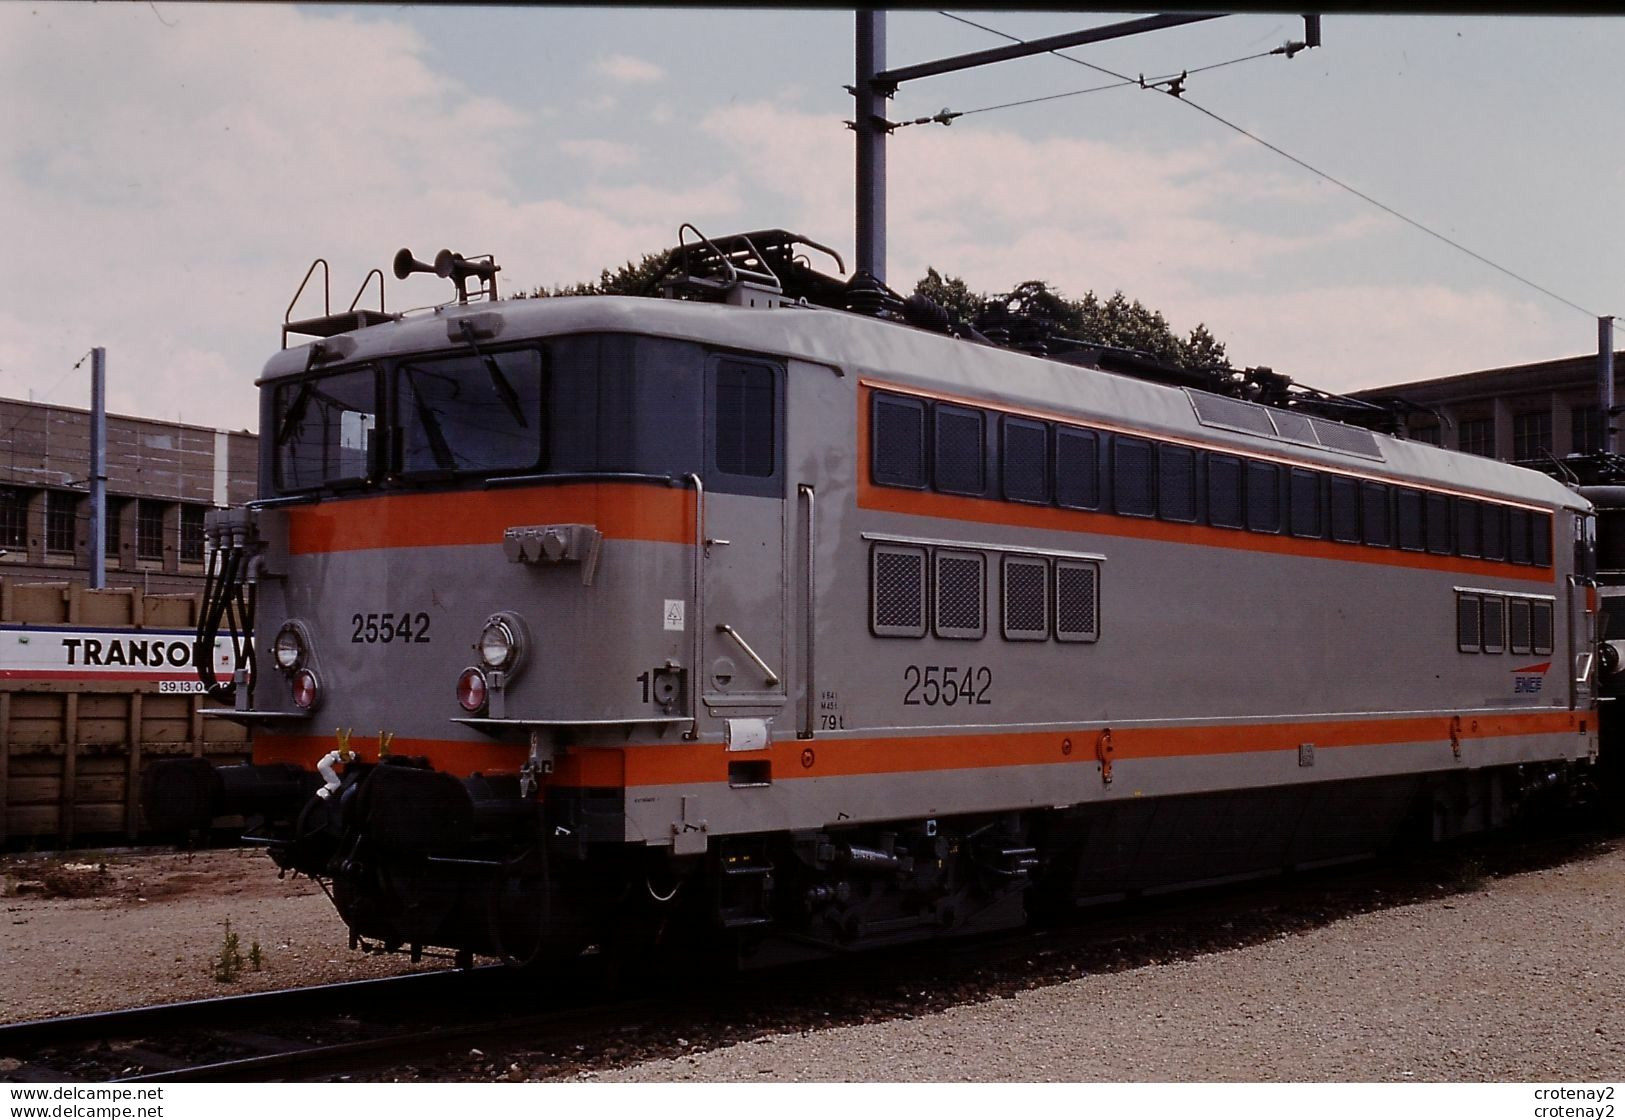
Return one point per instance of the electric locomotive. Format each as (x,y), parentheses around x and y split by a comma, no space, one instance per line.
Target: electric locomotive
(789,617)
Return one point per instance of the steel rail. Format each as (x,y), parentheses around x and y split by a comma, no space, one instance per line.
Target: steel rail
(17,1040)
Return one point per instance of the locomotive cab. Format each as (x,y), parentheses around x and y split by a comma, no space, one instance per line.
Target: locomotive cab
(494,545)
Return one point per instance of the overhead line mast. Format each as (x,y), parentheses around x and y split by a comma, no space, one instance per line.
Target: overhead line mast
(874,84)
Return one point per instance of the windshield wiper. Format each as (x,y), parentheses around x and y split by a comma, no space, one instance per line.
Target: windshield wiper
(295,414)
(499,380)
(429,421)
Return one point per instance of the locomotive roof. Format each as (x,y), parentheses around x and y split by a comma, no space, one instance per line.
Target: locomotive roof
(910,358)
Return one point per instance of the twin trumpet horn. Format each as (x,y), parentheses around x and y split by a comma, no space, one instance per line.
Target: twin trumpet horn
(451,266)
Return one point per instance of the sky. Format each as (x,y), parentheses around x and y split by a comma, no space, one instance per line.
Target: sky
(169,171)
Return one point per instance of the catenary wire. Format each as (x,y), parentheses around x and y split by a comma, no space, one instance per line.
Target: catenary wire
(1124,79)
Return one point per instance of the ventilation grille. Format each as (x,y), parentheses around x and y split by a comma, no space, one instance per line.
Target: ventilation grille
(1467,632)
(1026,617)
(1279,423)
(1026,461)
(1518,632)
(1541,626)
(899,591)
(1493,625)
(1075,617)
(959,595)
(1224,506)
(899,442)
(1345,437)
(959,451)
(1223,412)
(1292,426)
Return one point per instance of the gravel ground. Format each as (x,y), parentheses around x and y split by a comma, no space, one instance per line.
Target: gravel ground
(92,931)
(1522,979)
(1517,979)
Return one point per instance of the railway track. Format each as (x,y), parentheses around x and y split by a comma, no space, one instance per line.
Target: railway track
(477,1024)
(300,1033)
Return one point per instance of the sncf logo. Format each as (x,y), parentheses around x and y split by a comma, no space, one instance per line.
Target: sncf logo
(1529,678)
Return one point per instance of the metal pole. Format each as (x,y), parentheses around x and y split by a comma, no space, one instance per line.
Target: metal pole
(1605,382)
(98,467)
(871,128)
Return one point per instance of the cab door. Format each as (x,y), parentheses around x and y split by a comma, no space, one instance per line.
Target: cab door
(744,656)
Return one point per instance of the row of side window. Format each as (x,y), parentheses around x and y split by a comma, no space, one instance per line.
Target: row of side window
(1502,623)
(953,449)
(915,590)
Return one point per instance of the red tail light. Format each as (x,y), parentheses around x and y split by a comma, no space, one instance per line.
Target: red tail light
(471,690)
(306,690)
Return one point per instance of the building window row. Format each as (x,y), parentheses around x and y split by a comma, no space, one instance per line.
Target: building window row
(1585,428)
(952,449)
(1477,436)
(13,518)
(65,510)
(1531,436)
(1532,433)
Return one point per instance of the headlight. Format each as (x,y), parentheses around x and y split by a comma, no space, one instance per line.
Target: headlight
(502,642)
(289,648)
(496,644)
(471,690)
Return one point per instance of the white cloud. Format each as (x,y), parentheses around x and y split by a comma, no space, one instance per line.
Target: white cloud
(1198,233)
(174,177)
(601,155)
(629,69)
(182,174)
(1343,338)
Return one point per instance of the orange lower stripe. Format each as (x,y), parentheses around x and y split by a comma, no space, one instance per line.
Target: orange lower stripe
(697,763)
(621,510)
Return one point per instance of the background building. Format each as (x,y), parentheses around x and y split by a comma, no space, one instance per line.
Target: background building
(1521,414)
(161,478)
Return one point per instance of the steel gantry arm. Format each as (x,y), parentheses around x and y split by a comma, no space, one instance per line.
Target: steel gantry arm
(874,83)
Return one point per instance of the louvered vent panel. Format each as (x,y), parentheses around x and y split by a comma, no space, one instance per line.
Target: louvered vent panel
(1493,624)
(899,442)
(959,451)
(1467,629)
(1541,627)
(1518,631)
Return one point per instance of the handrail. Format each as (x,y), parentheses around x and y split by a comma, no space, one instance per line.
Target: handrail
(327,296)
(809,708)
(378,272)
(767,670)
(734,272)
(693,731)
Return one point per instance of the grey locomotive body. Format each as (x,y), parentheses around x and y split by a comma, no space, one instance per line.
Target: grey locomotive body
(614,620)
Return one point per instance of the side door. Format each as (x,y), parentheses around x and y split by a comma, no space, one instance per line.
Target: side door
(1582,611)
(744,661)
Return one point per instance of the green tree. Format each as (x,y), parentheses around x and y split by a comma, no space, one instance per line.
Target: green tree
(1117,321)
(953,294)
(631,279)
